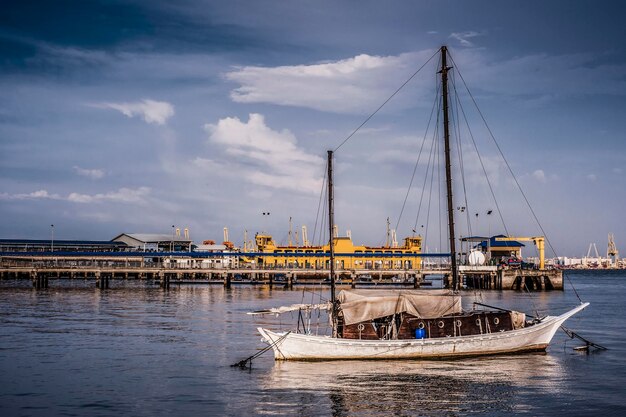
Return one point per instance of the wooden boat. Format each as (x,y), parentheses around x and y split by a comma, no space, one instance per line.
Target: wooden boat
(411,324)
(530,338)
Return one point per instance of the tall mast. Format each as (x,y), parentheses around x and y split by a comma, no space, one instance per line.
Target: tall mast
(446,134)
(331,238)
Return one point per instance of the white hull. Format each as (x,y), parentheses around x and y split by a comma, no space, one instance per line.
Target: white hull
(293,346)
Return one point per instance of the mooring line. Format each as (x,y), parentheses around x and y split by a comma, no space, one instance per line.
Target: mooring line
(588,343)
(242,364)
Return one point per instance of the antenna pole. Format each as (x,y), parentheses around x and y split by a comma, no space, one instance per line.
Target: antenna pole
(331,237)
(446,134)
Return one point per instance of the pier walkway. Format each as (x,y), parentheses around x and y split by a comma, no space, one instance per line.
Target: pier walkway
(102,268)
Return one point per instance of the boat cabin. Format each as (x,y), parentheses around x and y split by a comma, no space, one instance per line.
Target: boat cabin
(415,314)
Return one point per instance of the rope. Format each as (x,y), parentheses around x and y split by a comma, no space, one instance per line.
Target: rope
(419,157)
(319,204)
(519,187)
(588,343)
(242,364)
(385,102)
(480,159)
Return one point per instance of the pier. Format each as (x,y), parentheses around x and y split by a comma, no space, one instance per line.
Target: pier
(167,270)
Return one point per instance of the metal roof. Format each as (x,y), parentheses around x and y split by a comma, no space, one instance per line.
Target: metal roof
(154,237)
(60,242)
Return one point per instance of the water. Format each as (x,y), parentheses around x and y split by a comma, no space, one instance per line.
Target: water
(136,350)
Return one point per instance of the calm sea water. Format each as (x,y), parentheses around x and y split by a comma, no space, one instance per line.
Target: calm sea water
(73,350)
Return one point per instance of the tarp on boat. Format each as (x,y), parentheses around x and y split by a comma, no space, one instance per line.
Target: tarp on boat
(364,305)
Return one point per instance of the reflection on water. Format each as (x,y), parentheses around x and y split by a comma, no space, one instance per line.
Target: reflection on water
(401,387)
(137,350)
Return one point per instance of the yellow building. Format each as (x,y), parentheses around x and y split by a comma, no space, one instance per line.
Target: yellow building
(347,255)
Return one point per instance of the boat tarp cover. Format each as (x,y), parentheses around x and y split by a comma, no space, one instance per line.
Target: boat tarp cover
(364,305)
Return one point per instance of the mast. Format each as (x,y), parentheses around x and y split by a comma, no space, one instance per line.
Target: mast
(331,237)
(446,134)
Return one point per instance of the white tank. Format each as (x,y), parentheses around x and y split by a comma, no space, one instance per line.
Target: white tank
(476,257)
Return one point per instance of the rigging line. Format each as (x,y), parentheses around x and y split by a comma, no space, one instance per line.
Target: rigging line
(419,156)
(480,159)
(322,229)
(385,102)
(430,155)
(455,114)
(439,187)
(319,204)
(457,124)
(322,234)
(430,191)
(514,177)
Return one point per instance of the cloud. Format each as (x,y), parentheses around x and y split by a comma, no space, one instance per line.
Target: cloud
(155,112)
(540,176)
(531,76)
(463,37)
(353,85)
(266,157)
(123,195)
(94,174)
(358,85)
(617,170)
(35,195)
(592,177)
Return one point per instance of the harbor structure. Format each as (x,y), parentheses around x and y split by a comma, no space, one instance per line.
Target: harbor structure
(161,256)
(156,242)
(347,255)
(49,245)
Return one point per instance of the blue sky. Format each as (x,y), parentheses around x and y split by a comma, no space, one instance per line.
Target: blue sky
(132,116)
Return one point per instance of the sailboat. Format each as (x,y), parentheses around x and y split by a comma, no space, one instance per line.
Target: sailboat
(411,324)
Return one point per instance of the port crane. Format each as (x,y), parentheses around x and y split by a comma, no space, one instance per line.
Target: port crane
(612,249)
(539,242)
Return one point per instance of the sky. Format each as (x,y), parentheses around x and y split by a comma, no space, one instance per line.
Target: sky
(133,116)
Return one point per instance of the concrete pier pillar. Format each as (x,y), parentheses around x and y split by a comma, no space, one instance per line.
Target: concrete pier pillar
(164,280)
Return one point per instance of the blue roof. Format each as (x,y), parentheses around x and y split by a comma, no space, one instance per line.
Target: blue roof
(493,243)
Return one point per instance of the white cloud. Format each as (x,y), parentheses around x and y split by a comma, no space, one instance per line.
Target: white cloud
(360,84)
(353,85)
(463,37)
(539,175)
(264,156)
(123,195)
(592,177)
(35,195)
(617,170)
(94,174)
(155,112)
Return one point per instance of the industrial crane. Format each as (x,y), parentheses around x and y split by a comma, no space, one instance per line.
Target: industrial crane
(612,249)
(539,242)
